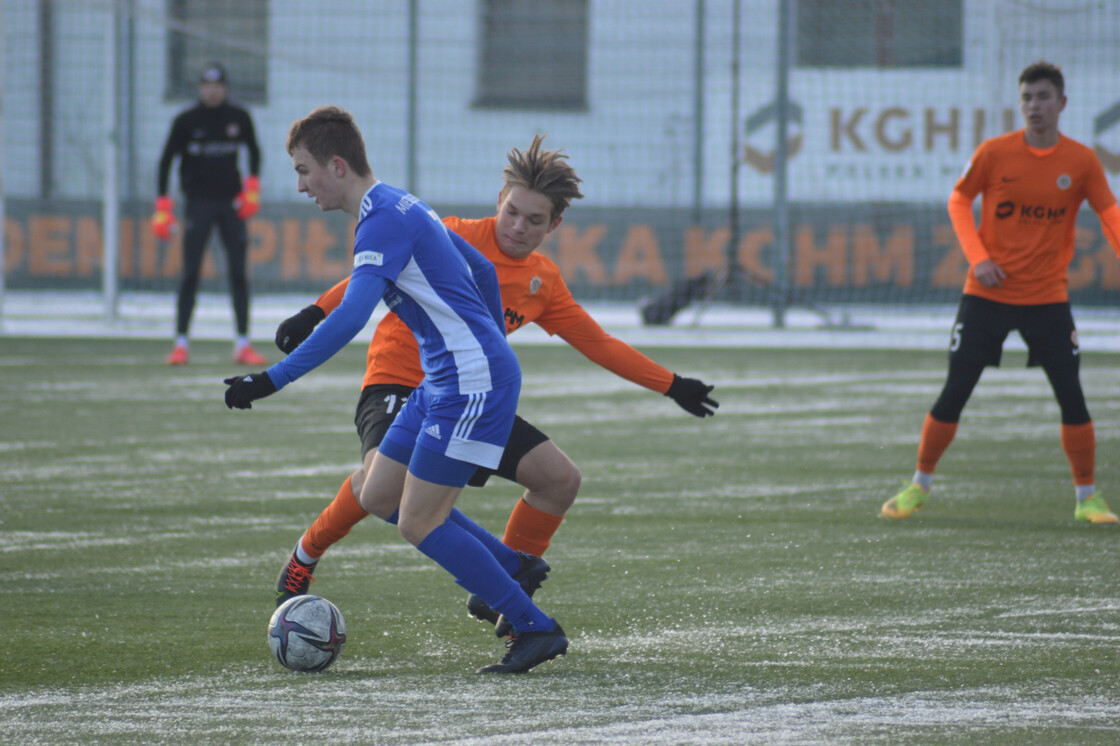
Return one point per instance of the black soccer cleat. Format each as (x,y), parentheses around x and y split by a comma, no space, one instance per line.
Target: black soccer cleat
(481,610)
(530,649)
(294,579)
(533,571)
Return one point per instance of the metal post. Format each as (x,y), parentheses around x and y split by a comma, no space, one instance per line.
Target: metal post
(781,161)
(110,215)
(698,117)
(3,93)
(733,217)
(413,85)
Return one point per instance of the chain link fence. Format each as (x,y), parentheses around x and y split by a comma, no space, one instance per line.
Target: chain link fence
(717,161)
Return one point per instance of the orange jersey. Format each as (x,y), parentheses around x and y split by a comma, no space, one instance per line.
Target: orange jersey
(1028,213)
(533,290)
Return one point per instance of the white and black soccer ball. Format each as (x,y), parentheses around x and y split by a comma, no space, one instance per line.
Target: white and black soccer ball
(306,633)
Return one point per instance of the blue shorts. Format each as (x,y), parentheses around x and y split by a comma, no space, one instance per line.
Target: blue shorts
(471,428)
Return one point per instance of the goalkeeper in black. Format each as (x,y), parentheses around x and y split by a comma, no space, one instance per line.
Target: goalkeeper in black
(207,139)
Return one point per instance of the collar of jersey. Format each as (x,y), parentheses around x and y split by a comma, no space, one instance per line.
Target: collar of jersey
(367,201)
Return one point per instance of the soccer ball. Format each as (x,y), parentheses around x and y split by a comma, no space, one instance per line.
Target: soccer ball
(306,633)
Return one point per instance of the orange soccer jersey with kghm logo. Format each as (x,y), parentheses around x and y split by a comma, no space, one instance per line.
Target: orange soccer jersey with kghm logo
(1029,205)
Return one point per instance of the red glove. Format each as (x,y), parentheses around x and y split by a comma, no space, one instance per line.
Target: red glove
(248,203)
(163,221)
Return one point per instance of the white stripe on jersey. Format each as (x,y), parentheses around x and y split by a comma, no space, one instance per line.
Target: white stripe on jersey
(470,359)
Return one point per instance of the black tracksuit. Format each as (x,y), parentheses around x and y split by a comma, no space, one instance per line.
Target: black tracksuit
(206,141)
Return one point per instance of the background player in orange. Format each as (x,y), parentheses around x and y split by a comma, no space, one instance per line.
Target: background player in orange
(538,186)
(1032,183)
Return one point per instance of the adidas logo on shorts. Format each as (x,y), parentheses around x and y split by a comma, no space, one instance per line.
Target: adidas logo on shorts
(433,431)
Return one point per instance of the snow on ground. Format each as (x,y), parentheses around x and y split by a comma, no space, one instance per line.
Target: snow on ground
(152,316)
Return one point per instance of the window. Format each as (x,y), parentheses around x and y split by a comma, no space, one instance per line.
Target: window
(879,33)
(231,32)
(533,54)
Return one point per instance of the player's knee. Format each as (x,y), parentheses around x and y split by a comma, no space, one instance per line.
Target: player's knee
(553,487)
(568,484)
(413,531)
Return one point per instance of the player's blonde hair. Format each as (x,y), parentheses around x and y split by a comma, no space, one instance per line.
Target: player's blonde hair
(329,131)
(544,171)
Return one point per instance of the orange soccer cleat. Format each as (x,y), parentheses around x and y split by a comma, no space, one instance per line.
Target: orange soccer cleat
(178,356)
(248,356)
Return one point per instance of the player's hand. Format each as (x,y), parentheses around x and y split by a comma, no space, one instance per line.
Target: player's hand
(244,390)
(163,220)
(248,203)
(988,273)
(294,330)
(692,396)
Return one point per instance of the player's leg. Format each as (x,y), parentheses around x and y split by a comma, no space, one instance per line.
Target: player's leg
(976,342)
(552,482)
(425,522)
(1051,338)
(437,473)
(377,407)
(235,238)
(197,226)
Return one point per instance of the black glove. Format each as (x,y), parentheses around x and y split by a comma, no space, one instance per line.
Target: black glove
(294,330)
(692,396)
(244,390)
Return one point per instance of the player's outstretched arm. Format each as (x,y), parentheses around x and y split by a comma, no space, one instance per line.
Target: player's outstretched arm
(692,395)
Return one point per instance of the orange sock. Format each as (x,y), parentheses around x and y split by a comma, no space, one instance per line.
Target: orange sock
(1080,444)
(530,530)
(936,437)
(334,522)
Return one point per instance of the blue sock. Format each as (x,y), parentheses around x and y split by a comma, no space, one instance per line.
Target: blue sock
(473,567)
(506,557)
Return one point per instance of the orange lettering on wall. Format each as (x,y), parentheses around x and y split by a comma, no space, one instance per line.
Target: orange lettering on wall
(320,242)
(952,268)
(147,260)
(750,247)
(126,253)
(172,255)
(262,241)
(704,251)
(87,248)
(640,258)
(15,248)
(808,257)
(49,246)
(291,241)
(871,261)
(578,255)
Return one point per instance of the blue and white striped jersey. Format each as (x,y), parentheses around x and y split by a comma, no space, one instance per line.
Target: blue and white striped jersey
(404,255)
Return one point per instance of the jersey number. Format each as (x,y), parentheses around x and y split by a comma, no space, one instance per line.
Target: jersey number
(955,340)
(390,403)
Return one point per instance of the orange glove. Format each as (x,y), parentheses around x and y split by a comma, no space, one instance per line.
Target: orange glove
(248,203)
(163,221)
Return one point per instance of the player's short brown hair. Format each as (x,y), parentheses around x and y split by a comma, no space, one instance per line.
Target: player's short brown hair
(1043,70)
(329,131)
(544,171)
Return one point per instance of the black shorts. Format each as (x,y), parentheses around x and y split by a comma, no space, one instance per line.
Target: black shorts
(379,405)
(982,326)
